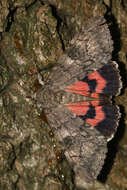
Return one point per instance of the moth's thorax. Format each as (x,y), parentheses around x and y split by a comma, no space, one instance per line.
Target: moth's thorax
(50,98)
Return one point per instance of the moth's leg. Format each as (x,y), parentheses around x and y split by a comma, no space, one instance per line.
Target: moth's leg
(44,73)
(40,79)
(39,75)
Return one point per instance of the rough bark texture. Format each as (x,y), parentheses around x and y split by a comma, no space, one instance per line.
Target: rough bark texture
(33,35)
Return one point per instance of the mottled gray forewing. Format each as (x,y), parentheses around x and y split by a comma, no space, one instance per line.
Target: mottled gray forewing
(84,148)
(89,50)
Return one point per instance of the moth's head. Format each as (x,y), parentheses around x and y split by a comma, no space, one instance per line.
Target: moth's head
(39,95)
(44,96)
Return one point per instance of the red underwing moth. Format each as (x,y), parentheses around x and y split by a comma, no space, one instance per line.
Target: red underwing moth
(77,99)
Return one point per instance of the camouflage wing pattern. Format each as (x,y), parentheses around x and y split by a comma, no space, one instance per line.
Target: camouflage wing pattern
(84,148)
(90,49)
(77,99)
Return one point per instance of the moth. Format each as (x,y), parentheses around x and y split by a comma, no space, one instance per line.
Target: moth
(77,99)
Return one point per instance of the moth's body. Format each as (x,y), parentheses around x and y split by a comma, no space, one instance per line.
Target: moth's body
(77,99)
(49,98)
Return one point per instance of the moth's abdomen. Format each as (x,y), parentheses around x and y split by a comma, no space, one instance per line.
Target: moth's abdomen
(49,98)
(69,97)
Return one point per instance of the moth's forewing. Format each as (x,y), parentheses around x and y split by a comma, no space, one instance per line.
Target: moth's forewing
(90,49)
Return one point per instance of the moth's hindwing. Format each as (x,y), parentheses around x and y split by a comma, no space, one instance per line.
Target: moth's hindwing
(100,84)
(105,80)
